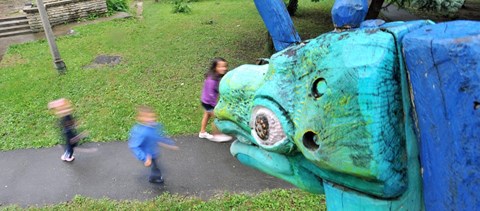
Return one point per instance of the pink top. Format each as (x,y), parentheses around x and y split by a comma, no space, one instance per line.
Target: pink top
(210,91)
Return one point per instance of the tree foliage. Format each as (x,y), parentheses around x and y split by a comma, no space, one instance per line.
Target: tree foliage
(440,6)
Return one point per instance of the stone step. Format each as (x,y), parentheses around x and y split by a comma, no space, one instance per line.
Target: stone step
(13,18)
(13,23)
(14,33)
(14,28)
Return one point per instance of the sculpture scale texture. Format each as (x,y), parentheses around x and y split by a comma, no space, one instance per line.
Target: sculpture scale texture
(334,115)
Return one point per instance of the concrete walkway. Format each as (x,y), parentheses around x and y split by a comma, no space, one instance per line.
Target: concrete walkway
(394,13)
(200,168)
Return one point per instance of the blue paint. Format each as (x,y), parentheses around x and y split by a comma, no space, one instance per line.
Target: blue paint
(443,61)
(349,13)
(278,22)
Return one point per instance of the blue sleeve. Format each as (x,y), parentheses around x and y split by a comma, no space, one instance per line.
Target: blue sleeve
(161,138)
(134,142)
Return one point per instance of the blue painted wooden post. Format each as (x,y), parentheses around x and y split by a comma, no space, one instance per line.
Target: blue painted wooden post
(443,61)
(349,13)
(278,22)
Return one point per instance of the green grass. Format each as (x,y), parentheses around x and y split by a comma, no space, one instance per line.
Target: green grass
(269,200)
(164,58)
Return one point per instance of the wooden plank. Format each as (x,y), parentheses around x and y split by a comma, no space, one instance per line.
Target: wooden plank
(443,61)
(278,22)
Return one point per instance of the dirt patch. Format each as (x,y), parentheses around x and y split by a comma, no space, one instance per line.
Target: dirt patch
(105,60)
(470,11)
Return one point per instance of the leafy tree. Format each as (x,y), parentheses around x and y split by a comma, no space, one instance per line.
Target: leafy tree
(441,6)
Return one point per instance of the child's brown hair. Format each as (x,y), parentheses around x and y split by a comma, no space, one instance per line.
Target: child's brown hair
(145,114)
(61,107)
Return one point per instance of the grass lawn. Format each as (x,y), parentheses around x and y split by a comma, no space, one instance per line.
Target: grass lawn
(269,200)
(164,58)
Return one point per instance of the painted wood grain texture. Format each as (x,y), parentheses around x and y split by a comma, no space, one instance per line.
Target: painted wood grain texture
(356,121)
(443,62)
(339,101)
(278,22)
(349,13)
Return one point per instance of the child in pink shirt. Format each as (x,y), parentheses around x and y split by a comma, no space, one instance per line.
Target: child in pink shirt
(209,98)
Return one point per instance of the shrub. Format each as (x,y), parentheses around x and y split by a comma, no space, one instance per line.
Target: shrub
(181,6)
(117,5)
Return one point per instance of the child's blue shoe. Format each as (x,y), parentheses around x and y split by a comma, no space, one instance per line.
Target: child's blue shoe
(156,179)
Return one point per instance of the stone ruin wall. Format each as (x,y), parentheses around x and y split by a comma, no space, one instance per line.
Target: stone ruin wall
(64,11)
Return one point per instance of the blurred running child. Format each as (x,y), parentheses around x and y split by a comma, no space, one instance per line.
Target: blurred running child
(63,110)
(145,137)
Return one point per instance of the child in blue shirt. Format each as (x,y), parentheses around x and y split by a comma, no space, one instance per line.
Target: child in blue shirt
(145,137)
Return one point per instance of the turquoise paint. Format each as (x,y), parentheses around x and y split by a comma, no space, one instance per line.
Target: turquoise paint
(241,86)
(412,198)
(321,87)
(271,162)
(278,165)
(354,127)
(341,99)
(333,114)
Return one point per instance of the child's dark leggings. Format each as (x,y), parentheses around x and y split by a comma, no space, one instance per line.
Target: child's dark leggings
(155,173)
(69,148)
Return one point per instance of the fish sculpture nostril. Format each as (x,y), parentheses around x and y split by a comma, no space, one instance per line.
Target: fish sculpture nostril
(261,127)
(319,87)
(309,141)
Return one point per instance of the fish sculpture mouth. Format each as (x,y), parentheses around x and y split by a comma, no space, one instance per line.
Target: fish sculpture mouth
(264,150)
(261,127)
(288,168)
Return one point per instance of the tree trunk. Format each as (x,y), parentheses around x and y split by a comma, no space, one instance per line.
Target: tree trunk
(374,9)
(270,47)
(292,7)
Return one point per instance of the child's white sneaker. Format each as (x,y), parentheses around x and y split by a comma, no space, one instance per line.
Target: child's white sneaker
(70,159)
(66,157)
(220,138)
(205,135)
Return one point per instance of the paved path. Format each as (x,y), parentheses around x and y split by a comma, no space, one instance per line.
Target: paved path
(200,168)
(394,13)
